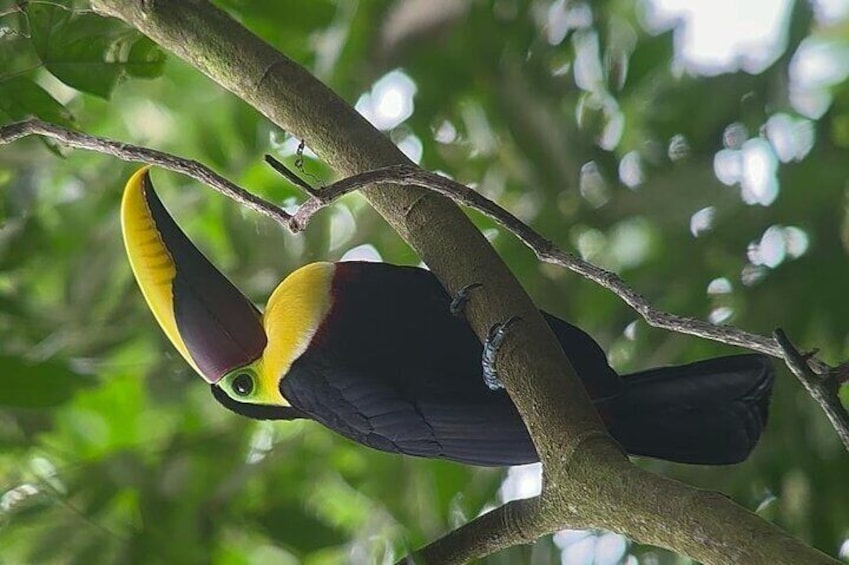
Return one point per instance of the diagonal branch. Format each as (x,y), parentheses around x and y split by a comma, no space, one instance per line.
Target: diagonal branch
(138,154)
(590,477)
(822,386)
(816,376)
(584,471)
(513,523)
(544,249)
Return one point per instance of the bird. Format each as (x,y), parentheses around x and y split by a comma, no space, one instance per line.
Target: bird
(372,351)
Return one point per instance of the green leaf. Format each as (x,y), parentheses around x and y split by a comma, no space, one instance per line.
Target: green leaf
(22,98)
(299,529)
(24,384)
(650,58)
(89,52)
(146,59)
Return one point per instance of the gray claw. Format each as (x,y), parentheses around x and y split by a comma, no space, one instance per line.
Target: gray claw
(497,334)
(458,304)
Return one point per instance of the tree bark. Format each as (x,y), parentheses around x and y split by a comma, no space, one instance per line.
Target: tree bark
(588,481)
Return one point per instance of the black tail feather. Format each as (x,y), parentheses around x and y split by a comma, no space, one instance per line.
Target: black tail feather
(709,413)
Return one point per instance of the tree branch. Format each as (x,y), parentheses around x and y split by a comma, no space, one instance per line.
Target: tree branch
(821,385)
(513,523)
(531,364)
(584,470)
(139,154)
(523,521)
(817,377)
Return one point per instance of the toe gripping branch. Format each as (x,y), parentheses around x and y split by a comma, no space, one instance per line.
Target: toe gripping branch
(458,303)
(496,337)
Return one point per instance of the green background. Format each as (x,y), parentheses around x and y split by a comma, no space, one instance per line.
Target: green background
(112,451)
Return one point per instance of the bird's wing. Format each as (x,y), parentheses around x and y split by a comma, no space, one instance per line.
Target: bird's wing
(391,368)
(404,415)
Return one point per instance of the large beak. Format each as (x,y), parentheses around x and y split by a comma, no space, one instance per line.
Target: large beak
(213,325)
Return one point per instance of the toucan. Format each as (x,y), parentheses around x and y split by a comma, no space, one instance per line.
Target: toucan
(372,351)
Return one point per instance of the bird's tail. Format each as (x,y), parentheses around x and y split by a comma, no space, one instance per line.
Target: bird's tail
(708,413)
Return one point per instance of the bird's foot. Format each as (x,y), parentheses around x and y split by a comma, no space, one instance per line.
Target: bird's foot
(494,340)
(458,303)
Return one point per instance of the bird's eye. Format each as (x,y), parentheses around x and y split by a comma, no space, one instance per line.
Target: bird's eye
(243,384)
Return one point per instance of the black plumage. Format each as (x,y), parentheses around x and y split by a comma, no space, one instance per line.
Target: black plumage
(373,352)
(391,368)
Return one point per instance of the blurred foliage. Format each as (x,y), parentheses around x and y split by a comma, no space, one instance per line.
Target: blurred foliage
(573,115)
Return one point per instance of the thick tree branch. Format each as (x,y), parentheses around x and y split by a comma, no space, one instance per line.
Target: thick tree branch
(584,471)
(513,523)
(817,377)
(523,521)
(671,514)
(532,364)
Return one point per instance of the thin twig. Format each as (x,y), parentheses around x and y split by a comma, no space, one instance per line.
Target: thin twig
(290,175)
(138,154)
(409,175)
(822,387)
(547,251)
(544,249)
